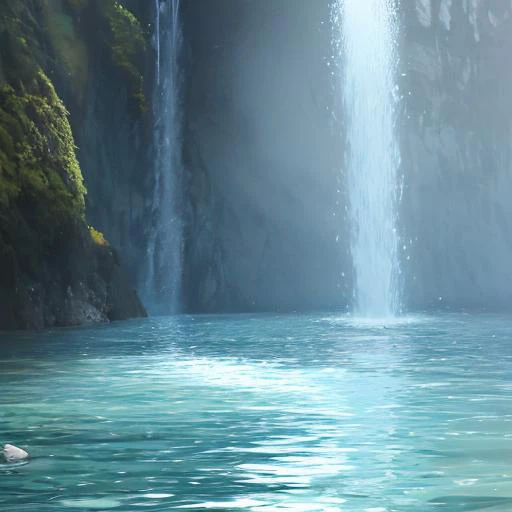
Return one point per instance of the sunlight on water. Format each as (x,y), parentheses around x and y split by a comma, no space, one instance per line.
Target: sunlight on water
(297,413)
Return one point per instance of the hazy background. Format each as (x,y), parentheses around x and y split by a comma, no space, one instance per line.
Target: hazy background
(264,156)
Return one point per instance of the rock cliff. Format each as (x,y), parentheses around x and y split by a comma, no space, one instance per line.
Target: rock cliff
(456,140)
(55,270)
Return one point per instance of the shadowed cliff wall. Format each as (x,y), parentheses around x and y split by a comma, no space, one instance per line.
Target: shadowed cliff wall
(263,155)
(456,139)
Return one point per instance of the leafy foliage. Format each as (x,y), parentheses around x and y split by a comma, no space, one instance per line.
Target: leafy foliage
(46,247)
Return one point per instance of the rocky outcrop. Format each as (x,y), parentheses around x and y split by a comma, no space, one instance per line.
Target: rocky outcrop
(54,269)
(78,282)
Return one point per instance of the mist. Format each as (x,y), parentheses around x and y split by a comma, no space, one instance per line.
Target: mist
(266,143)
(264,151)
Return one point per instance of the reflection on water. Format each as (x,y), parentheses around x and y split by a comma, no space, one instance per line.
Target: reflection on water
(261,413)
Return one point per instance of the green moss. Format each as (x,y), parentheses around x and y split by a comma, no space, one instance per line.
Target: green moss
(40,178)
(98,237)
(39,171)
(127,45)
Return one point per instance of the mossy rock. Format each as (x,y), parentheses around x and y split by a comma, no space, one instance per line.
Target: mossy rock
(47,252)
(41,184)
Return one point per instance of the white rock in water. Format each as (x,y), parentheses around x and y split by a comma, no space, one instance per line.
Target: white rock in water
(14,454)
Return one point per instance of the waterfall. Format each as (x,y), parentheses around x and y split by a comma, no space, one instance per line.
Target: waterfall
(368,56)
(162,287)
(157,40)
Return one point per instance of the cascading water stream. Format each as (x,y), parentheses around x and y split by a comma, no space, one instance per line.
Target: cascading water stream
(368,55)
(162,287)
(157,40)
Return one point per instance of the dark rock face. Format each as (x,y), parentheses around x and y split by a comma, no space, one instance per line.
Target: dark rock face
(79,283)
(264,221)
(456,145)
(111,122)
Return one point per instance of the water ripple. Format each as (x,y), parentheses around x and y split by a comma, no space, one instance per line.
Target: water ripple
(260,413)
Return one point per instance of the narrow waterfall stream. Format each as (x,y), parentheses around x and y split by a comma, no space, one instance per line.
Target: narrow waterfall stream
(163,276)
(368,56)
(157,40)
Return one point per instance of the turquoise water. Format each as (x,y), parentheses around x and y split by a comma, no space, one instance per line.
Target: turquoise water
(261,413)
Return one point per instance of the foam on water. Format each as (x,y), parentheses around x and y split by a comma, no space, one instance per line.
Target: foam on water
(365,323)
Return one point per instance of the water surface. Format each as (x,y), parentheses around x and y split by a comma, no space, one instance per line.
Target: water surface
(261,413)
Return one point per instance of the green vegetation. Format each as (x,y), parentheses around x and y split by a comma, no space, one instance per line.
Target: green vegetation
(41,186)
(98,238)
(127,44)
(37,151)
(116,30)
